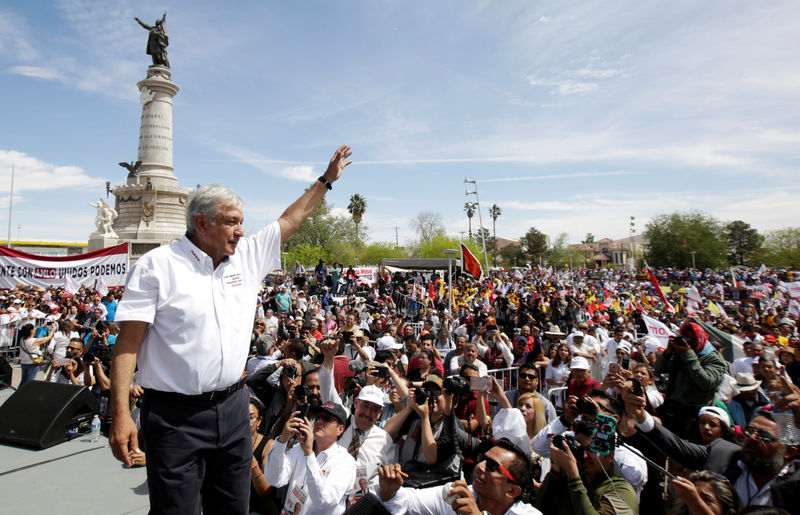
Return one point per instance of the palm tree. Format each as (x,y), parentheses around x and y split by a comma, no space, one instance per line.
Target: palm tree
(469,207)
(357,206)
(494,212)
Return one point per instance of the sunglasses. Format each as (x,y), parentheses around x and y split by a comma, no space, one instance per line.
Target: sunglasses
(76,349)
(493,466)
(530,377)
(762,435)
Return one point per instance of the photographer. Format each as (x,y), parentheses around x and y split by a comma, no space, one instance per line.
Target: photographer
(582,481)
(426,429)
(695,372)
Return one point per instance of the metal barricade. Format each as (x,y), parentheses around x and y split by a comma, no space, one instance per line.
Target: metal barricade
(416,327)
(507,377)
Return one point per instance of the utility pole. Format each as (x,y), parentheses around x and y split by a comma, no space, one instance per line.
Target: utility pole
(10,204)
(396,239)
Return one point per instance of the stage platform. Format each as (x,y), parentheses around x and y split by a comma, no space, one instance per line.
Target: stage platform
(78,476)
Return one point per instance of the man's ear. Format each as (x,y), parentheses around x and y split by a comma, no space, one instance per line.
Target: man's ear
(514,491)
(341,430)
(200,222)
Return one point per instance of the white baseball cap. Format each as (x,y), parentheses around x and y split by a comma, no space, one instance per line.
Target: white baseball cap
(579,363)
(388,342)
(371,394)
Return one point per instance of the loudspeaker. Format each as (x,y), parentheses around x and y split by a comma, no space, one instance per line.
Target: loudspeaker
(5,373)
(40,414)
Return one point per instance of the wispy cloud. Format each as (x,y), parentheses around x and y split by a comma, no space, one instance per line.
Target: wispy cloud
(38,72)
(559,176)
(296,171)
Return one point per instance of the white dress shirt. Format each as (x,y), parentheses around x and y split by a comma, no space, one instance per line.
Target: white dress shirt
(430,501)
(201,318)
(377,447)
(325,477)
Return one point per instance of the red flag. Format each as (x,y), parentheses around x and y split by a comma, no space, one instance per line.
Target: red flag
(658,290)
(431,291)
(470,263)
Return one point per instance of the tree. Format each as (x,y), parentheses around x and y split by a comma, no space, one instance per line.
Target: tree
(357,206)
(534,244)
(588,239)
(469,207)
(561,254)
(433,248)
(781,248)
(494,212)
(427,224)
(373,253)
(325,236)
(512,255)
(674,237)
(743,242)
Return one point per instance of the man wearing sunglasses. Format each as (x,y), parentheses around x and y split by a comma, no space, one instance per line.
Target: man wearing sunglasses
(528,382)
(499,482)
(761,469)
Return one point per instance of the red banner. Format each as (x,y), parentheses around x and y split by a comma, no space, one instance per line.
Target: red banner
(470,263)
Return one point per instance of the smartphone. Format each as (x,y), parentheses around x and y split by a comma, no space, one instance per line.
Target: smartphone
(302,410)
(61,362)
(604,434)
(613,368)
(637,387)
(381,372)
(625,362)
(480,384)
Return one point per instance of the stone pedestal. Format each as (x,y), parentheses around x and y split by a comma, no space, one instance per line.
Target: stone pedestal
(101,241)
(151,205)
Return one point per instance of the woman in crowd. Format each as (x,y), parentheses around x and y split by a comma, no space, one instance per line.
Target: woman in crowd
(532,410)
(30,348)
(707,493)
(645,376)
(714,422)
(58,345)
(426,367)
(260,491)
(70,373)
(558,369)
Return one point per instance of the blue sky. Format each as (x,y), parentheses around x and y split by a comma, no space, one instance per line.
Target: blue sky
(572,116)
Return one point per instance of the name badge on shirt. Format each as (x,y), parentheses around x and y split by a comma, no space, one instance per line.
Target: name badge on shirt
(233,280)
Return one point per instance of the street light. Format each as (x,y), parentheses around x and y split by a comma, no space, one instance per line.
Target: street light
(480,219)
(449,253)
(693,253)
(631,233)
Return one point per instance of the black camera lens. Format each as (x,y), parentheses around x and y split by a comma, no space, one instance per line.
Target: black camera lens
(301,391)
(585,407)
(456,385)
(290,371)
(421,396)
(575,446)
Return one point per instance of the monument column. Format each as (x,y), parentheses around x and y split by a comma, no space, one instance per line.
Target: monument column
(155,132)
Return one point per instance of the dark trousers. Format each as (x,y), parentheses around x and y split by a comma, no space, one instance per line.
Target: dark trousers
(197,452)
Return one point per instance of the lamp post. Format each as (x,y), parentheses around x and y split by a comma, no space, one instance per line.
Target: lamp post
(480,220)
(632,265)
(450,253)
(693,253)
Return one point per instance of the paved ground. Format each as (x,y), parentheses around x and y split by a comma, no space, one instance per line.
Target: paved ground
(73,477)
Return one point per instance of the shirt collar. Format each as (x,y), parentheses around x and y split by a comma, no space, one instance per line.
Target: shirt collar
(197,256)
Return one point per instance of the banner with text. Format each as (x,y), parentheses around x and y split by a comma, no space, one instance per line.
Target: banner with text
(109,265)
(366,274)
(657,330)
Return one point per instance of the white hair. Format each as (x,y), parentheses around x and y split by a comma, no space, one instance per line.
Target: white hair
(209,200)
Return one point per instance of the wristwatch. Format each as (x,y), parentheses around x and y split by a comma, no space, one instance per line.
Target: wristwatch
(325,182)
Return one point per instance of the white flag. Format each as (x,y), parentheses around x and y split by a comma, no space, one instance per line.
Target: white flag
(657,330)
(762,269)
(793,287)
(100,287)
(71,286)
(694,296)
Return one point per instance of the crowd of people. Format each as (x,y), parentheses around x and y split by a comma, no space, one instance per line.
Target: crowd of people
(530,391)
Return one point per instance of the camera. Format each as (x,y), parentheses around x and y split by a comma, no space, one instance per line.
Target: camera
(350,382)
(382,372)
(456,385)
(680,341)
(585,407)
(421,396)
(301,391)
(573,443)
(88,358)
(290,371)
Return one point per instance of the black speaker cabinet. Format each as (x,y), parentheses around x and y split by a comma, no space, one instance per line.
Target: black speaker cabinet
(5,373)
(40,414)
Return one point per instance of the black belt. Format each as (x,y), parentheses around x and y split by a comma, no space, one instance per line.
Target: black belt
(217,395)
